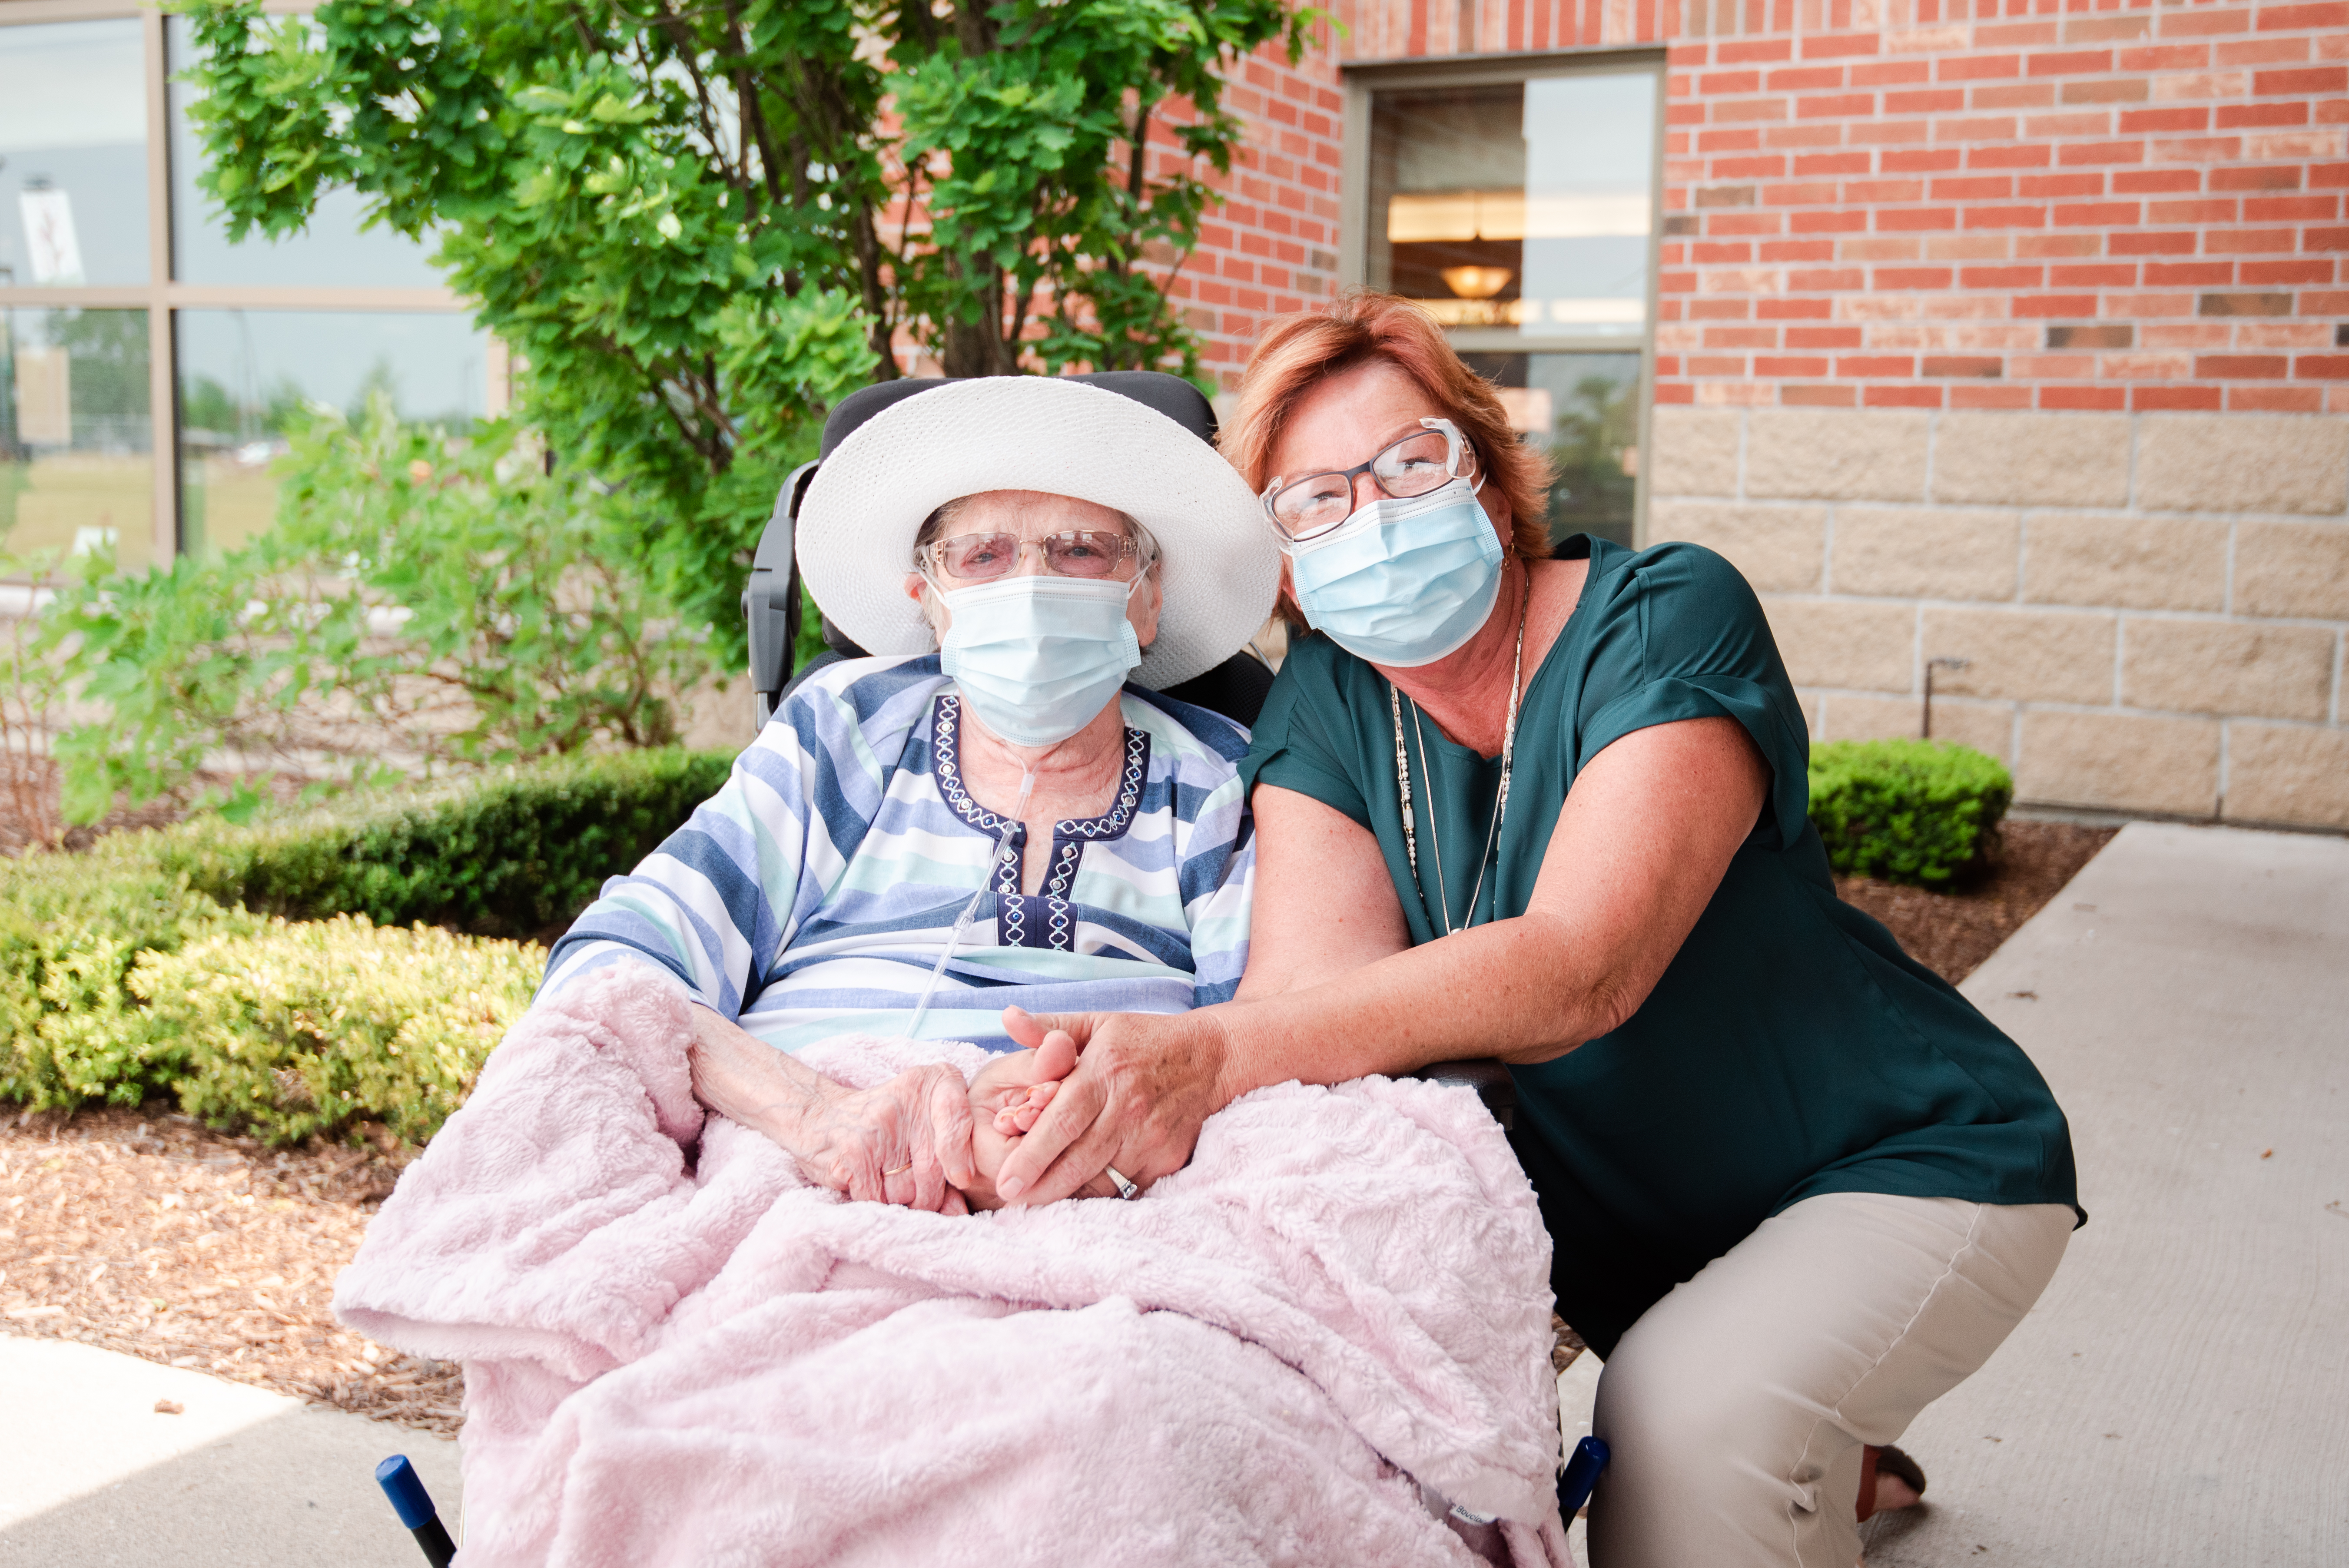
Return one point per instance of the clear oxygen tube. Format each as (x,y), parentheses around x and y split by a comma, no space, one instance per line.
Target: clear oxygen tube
(970,910)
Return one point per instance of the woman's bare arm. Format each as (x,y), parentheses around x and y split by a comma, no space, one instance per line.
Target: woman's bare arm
(1324,903)
(1641,843)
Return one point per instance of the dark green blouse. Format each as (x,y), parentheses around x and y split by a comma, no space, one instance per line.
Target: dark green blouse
(1791,1048)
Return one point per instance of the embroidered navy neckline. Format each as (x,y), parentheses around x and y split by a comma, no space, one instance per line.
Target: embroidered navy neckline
(1042,920)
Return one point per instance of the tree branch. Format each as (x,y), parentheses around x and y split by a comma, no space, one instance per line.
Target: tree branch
(1136,171)
(875,297)
(589,39)
(682,41)
(747,102)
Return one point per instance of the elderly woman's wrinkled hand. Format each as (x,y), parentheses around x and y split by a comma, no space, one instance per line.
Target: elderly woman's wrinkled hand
(891,1143)
(903,1141)
(1144,1086)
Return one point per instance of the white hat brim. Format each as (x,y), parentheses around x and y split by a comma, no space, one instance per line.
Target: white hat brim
(863,508)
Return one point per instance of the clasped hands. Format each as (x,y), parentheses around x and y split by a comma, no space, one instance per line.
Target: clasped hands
(1089,1091)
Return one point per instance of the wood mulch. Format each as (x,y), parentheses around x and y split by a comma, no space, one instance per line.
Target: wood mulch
(139,1230)
(1565,1343)
(144,1232)
(1952,933)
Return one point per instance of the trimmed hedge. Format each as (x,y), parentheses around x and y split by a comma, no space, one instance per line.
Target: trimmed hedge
(309,1028)
(1916,812)
(503,854)
(91,1010)
(72,925)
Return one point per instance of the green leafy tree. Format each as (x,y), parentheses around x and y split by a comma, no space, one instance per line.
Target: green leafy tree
(699,227)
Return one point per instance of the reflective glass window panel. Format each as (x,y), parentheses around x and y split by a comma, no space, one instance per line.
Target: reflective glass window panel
(1447,180)
(1585,409)
(245,375)
(330,252)
(1590,162)
(1524,205)
(76,447)
(73,155)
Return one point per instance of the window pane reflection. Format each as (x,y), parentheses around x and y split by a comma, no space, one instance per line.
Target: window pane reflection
(76,463)
(1585,407)
(330,250)
(73,155)
(245,375)
(1526,204)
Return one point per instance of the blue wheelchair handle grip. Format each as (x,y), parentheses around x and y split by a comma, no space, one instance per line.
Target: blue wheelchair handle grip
(405,1488)
(1582,1470)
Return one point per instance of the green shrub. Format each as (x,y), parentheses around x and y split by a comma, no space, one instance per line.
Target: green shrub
(71,926)
(1906,811)
(504,853)
(442,598)
(298,1029)
(103,953)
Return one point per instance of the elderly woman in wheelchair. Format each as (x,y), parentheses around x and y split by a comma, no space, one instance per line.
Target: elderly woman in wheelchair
(986,811)
(700,1235)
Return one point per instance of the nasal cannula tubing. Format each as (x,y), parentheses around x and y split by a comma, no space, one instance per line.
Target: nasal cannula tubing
(970,910)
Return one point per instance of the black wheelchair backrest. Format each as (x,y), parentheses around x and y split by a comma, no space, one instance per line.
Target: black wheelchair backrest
(770,603)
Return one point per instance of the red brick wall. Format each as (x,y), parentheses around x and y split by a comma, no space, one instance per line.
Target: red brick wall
(1925,203)
(2088,208)
(2002,331)
(1272,247)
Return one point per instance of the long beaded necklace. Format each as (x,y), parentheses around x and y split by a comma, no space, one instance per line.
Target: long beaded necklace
(1500,798)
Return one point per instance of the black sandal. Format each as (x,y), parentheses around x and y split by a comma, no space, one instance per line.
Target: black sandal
(1886,1460)
(1890,1461)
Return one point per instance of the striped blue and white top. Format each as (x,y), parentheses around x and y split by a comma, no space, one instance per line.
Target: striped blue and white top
(811,895)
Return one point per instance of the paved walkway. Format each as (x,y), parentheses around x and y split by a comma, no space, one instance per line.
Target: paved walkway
(2181,1394)
(91,1474)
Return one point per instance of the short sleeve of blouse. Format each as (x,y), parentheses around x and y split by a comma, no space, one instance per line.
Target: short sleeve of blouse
(1679,635)
(1293,743)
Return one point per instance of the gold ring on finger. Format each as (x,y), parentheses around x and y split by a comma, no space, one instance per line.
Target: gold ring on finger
(900,1171)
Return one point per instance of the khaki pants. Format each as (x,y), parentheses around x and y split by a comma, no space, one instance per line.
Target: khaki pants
(1737,1406)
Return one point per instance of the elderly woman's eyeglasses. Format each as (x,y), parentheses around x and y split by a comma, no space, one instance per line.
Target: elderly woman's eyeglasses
(1316,503)
(1078,552)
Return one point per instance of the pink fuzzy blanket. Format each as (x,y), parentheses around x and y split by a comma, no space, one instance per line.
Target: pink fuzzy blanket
(677,1350)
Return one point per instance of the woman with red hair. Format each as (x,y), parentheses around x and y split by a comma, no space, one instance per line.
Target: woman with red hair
(1552,807)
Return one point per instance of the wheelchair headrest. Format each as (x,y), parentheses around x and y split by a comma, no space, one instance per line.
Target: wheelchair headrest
(1168,395)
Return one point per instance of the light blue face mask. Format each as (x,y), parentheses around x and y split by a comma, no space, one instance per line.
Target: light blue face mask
(1038,657)
(1403,583)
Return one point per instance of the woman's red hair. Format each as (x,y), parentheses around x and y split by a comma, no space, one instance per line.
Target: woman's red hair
(1296,352)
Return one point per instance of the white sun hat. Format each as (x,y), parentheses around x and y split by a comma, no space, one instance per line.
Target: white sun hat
(862,512)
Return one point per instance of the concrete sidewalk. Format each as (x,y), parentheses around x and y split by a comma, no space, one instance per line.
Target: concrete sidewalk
(91,1474)
(2181,1393)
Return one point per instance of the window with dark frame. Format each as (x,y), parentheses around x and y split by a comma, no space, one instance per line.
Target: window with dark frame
(147,365)
(1517,205)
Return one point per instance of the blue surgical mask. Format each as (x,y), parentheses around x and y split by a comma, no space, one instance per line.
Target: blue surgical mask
(1038,657)
(1403,583)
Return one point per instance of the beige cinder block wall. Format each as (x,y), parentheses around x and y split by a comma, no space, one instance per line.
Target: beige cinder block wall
(2153,607)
